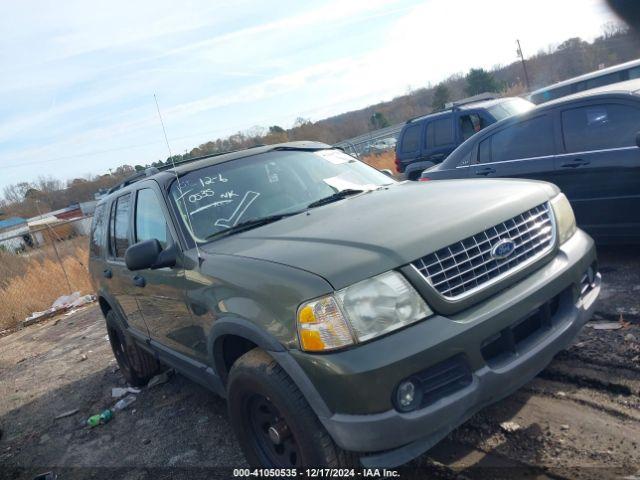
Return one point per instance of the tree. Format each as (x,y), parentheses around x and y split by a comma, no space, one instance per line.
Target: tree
(378,121)
(441,96)
(479,81)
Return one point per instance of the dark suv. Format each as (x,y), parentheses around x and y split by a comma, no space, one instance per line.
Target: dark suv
(341,323)
(586,144)
(429,139)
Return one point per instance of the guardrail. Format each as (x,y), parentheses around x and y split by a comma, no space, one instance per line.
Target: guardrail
(360,145)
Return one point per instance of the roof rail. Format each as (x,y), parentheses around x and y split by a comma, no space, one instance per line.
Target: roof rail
(481,97)
(149,171)
(451,106)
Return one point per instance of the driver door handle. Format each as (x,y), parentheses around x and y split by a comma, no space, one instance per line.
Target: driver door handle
(486,171)
(575,163)
(139,281)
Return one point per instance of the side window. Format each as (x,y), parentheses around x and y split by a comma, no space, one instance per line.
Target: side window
(97,231)
(634,73)
(440,132)
(470,124)
(484,151)
(528,139)
(600,127)
(150,220)
(411,139)
(466,159)
(119,226)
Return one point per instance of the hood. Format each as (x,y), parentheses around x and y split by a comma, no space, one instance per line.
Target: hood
(361,236)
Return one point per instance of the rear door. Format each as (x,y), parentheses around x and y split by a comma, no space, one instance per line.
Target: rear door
(161,292)
(117,275)
(525,149)
(599,169)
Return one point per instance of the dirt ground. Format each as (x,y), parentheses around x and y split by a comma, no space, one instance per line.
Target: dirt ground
(580,418)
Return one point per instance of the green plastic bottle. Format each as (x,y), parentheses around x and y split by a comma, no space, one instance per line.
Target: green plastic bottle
(100,418)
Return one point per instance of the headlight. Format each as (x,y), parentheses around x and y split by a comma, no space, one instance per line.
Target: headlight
(369,308)
(565,220)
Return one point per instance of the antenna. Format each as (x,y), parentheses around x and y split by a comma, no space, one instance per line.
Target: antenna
(166,139)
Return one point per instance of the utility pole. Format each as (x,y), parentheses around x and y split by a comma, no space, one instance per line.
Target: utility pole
(524,65)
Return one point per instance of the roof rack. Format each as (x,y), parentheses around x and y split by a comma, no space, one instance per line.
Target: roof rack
(149,171)
(452,106)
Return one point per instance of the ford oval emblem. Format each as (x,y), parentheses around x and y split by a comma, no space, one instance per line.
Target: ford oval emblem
(503,249)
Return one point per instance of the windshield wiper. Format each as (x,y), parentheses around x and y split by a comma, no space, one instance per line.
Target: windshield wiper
(335,197)
(249,224)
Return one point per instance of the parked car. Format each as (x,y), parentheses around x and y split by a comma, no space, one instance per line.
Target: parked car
(598,78)
(585,143)
(338,335)
(431,138)
(383,145)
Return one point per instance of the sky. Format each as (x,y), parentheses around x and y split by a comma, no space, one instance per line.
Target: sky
(78,78)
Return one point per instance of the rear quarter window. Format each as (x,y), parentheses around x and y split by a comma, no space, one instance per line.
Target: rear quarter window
(96,240)
(411,139)
(119,226)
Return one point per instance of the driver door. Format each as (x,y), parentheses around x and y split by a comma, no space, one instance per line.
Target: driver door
(161,293)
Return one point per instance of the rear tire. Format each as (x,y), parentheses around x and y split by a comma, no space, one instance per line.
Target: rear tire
(273,422)
(137,365)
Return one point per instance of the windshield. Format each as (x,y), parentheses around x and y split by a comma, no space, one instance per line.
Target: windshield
(510,107)
(216,198)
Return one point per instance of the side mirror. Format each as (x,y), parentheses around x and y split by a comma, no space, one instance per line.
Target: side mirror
(638,139)
(149,254)
(387,172)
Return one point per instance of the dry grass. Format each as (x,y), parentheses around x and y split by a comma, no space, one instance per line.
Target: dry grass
(32,282)
(381,160)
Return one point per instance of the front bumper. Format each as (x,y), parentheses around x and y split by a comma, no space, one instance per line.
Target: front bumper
(357,382)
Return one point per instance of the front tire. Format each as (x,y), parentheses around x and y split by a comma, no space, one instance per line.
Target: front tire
(273,422)
(137,365)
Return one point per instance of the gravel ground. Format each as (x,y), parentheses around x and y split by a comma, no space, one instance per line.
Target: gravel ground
(579,418)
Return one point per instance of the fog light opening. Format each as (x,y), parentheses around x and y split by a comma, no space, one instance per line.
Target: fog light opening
(408,396)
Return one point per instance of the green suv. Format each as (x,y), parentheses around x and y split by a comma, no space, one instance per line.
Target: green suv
(346,317)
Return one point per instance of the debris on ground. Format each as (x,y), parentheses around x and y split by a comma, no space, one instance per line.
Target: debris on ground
(117,392)
(564,427)
(100,418)
(124,403)
(510,427)
(606,325)
(159,379)
(62,304)
(630,337)
(68,413)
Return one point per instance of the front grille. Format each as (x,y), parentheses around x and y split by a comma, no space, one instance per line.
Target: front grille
(469,265)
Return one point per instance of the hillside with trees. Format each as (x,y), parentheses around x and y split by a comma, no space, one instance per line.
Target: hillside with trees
(568,59)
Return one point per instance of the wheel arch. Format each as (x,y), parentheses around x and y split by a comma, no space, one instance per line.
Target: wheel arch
(242,335)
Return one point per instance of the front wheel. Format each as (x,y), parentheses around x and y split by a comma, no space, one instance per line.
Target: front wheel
(137,365)
(273,422)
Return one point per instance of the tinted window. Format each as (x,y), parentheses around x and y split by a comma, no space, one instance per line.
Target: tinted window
(552,94)
(634,73)
(120,226)
(528,139)
(411,139)
(466,159)
(600,127)
(440,132)
(150,221)
(470,124)
(484,151)
(97,231)
(604,80)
